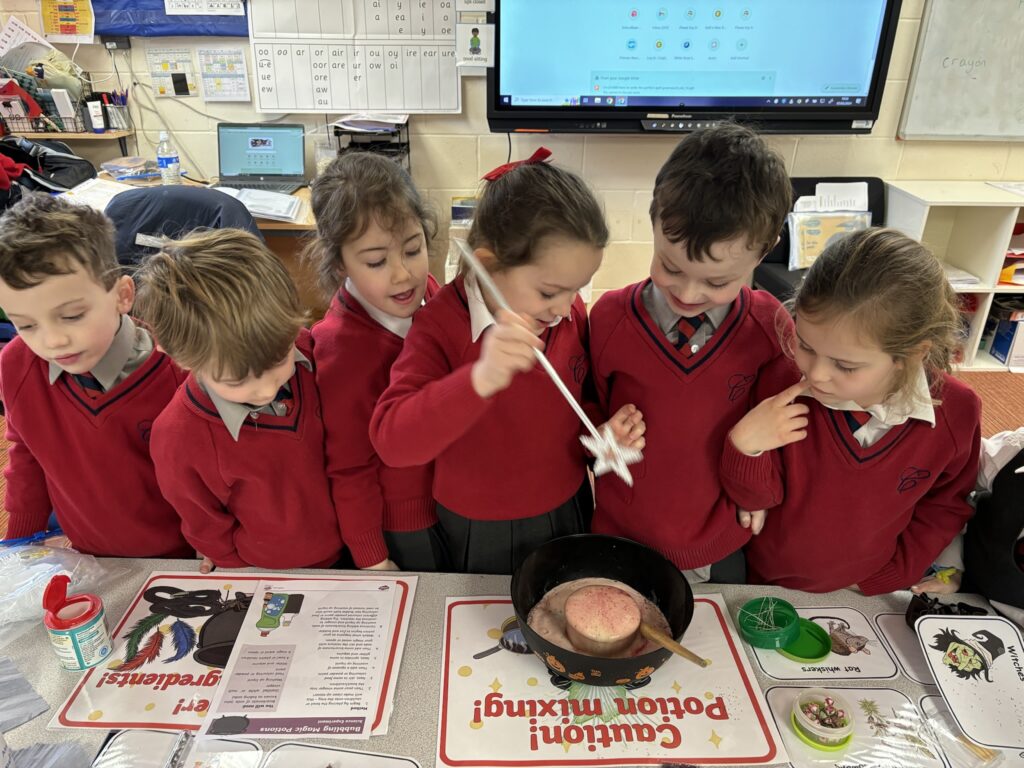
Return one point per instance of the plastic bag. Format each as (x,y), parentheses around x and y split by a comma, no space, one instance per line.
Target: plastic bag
(21,702)
(26,569)
(51,756)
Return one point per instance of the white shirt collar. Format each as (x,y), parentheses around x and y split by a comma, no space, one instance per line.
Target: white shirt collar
(129,343)
(892,413)
(397,325)
(480,317)
(234,414)
(666,318)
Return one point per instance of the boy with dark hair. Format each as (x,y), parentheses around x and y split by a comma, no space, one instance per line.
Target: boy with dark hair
(82,385)
(694,348)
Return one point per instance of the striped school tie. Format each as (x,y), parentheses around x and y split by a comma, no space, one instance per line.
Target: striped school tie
(88,381)
(686,327)
(280,405)
(856,419)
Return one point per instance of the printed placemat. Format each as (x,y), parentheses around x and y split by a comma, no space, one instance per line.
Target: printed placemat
(501,707)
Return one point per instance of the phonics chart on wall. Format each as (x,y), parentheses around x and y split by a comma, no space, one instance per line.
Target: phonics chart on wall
(322,55)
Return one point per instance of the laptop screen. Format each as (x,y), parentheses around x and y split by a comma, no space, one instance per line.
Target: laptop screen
(260,150)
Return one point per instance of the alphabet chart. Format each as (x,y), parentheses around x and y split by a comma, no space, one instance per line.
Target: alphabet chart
(326,56)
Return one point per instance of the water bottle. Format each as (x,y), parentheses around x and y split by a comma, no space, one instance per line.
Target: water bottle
(167,159)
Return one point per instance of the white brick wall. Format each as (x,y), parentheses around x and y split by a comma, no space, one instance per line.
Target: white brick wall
(451,152)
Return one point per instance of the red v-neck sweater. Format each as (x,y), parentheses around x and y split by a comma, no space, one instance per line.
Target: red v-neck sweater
(261,501)
(354,354)
(514,455)
(86,455)
(877,517)
(677,504)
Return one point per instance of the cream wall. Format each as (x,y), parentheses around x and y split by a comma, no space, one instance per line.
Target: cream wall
(449,153)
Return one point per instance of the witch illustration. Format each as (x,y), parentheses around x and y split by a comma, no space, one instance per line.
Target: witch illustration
(969,658)
(222,614)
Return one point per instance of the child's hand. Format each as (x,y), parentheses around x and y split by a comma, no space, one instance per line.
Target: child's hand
(206,565)
(507,350)
(383,565)
(773,423)
(933,585)
(628,427)
(753,520)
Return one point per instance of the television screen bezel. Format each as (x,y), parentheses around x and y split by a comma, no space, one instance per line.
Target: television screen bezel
(785,120)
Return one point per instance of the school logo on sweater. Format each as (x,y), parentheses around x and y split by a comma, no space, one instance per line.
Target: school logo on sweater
(578,368)
(910,477)
(738,384)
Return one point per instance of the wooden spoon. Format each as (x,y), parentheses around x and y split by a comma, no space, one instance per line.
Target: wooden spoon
(605,621)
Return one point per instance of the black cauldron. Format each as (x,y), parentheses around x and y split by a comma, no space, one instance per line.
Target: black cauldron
(595,556)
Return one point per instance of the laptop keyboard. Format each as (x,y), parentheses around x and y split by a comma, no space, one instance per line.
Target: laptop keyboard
(285,188)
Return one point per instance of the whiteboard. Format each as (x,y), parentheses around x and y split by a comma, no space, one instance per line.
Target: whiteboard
(968,76)
(354,55)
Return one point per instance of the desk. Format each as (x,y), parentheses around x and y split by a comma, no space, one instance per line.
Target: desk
(285,239)
(413,730)
(306,224)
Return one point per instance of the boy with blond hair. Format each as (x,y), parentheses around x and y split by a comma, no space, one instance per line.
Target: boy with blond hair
(239,451)
(82,384)
(694,348)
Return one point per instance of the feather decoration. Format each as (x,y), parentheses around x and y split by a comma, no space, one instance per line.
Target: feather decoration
(184,639)
(149,652)
(138,632)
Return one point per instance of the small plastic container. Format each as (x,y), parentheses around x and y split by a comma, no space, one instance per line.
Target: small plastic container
(768,622)
(815,734)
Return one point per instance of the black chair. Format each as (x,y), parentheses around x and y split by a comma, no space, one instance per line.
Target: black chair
(171,211)
(773,274)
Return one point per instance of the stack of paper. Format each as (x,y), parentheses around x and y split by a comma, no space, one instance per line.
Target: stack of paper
(267,205)
(96,192)
(960,278)
(371,122)
(1012,272)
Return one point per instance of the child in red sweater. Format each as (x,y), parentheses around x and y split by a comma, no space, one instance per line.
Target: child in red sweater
(239,451)
(694,349)
(866,479)
(371,252)
(509,469)
(82,385)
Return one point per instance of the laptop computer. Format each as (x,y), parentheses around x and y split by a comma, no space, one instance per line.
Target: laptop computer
(267,156)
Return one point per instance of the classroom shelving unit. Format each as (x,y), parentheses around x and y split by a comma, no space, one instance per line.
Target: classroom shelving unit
(967,224)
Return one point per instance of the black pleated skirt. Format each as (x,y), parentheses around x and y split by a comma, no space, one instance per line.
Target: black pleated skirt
(498,546)
(423,550)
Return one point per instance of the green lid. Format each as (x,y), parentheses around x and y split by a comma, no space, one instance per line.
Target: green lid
(811,645)
(768,622)
(815,743)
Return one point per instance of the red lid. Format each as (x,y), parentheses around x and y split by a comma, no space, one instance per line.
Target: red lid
(63,612)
